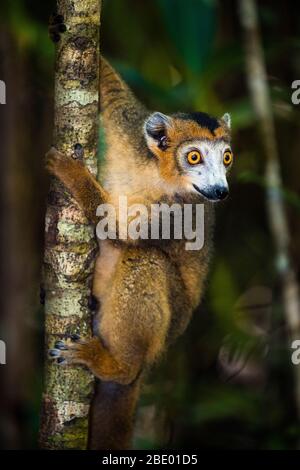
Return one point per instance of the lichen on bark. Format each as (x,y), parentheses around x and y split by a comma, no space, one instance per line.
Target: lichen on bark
(70,246)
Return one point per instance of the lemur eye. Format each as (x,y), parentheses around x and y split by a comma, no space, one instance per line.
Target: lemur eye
(228,157)
(194,157)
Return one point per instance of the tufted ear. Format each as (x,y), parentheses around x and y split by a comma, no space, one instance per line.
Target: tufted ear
(227,120)
(156,130)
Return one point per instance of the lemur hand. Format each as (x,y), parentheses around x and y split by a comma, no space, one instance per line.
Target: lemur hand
(59,164)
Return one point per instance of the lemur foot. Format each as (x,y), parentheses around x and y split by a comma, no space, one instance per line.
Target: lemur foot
(56,27)
(91,353)
(73,350)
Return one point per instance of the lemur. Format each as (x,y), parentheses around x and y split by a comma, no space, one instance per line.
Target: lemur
(147,289)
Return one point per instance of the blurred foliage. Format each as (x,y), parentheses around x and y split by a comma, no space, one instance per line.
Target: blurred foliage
(29,32)
(189,56)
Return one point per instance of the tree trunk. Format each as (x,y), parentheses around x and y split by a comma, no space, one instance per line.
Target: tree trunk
(70,245)
(258,86)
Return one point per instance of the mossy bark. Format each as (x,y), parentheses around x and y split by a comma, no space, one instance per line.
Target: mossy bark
(70,245)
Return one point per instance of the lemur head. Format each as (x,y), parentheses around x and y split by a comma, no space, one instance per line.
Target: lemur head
(193,151)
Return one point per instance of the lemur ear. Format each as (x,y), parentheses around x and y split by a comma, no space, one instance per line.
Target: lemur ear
(226,118)
(156,130)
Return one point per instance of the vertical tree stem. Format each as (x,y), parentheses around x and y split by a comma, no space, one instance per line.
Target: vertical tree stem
(70,246)
(257,81)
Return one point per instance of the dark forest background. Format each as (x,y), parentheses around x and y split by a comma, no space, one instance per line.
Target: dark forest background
(228,382)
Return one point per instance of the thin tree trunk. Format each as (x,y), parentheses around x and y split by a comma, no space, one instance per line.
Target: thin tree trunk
(70,246)
(257,81)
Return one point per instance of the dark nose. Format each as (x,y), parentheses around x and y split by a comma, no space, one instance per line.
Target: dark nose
(221,192)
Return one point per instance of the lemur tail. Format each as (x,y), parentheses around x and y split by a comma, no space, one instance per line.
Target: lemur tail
(117,102)
(112,415)
(112,88)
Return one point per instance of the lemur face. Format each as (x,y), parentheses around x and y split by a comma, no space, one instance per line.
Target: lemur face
(193,152)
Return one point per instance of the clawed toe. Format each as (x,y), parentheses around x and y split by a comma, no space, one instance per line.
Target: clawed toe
(54,353)
(56,27)
(61,345)
(75,338)
(57,353)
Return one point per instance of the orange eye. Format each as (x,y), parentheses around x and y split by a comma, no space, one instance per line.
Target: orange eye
(228,157)
(194,157)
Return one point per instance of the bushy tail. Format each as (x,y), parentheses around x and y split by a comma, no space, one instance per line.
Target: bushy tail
(118,104)
(112,415)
